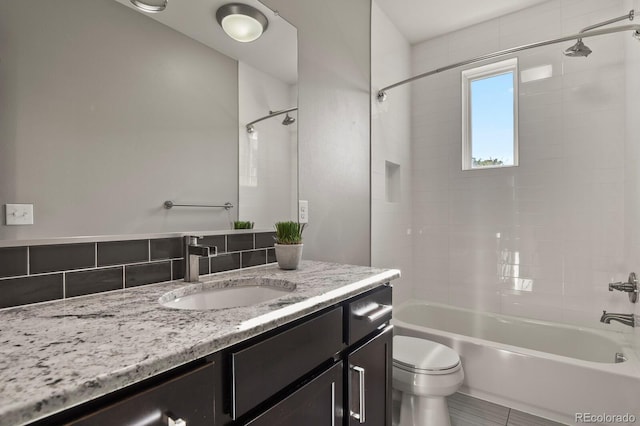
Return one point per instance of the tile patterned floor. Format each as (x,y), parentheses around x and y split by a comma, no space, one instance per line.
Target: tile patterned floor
(467,411)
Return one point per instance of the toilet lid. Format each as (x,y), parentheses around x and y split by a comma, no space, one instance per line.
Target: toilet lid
(420,354)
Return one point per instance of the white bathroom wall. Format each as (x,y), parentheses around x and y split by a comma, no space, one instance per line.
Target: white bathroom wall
(334,62)
(541,240)
(268,189)
(391,239)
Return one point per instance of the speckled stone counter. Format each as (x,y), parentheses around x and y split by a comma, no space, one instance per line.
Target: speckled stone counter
(59,354)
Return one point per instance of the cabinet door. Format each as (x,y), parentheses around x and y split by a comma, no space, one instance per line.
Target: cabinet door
(369,380)
(317,403)
(188,397)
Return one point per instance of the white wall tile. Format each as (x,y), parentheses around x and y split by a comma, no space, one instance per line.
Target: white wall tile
(565,210)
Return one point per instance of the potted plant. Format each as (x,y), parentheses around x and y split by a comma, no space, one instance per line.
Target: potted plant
(288,244)
(239,224)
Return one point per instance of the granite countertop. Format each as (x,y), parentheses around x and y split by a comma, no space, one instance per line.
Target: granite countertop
(56,355)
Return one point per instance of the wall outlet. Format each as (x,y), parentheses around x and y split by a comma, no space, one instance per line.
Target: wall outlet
(19,214)
(303,211)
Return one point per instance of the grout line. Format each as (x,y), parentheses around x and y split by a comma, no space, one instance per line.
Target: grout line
(124,276)
(148,250)
(28,260)
(64,285)
(95,254)
(508,415)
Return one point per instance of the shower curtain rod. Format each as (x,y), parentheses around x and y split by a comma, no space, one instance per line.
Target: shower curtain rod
(635,27)
(271,114)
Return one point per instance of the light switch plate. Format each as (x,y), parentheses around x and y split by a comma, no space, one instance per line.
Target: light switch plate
(19,214)
(303,211)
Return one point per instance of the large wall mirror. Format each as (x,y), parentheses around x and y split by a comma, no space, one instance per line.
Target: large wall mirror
(106,112)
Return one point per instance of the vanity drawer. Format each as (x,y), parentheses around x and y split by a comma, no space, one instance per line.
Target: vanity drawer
(367,313)
(263,369)
(188,397)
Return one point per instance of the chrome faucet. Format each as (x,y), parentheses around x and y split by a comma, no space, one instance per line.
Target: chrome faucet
(630,287)
(192,253)
(626,319)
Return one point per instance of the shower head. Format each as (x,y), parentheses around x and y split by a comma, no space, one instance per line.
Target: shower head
(288,120)
(577,50)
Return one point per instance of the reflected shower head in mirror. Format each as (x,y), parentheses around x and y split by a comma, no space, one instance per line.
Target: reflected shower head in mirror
(288,120)
(578,50)
(150,6)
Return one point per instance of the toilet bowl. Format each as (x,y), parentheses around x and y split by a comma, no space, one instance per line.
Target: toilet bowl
(424,373)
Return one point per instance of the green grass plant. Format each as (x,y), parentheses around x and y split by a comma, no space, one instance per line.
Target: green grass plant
(288,233)
(239,224)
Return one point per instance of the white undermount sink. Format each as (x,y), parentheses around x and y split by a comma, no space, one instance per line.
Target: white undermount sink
(229,293)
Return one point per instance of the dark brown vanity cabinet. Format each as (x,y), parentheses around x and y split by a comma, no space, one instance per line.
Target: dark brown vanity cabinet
(369,381)
(330,368)
(318,402)
(346,352)
(186,399)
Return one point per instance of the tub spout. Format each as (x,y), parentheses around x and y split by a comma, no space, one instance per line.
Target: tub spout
(626,319)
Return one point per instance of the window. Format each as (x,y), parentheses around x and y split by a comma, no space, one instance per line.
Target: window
(490,116)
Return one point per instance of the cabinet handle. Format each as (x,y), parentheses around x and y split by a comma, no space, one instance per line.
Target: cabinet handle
(360,415)
(177,422)
(333,403)
(375,312)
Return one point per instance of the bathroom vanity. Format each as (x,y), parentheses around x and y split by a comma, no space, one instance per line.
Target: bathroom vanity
(320,355)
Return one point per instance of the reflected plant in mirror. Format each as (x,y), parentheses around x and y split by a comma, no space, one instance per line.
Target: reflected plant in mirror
(109,111)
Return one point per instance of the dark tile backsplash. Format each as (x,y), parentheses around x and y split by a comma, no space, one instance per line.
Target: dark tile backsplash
(254,258)
(214,241)
(13,261)
(166,248)
(225,262)
(239,242)
(93,281)
(147,273)
(26,272)
(265,239)
(39,288)
(271,255)
(61,257)
(122,252)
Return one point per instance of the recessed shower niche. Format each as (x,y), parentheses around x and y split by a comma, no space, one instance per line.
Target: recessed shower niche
(392,182)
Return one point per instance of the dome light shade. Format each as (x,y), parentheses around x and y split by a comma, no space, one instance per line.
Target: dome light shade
(242,22)
(151,6)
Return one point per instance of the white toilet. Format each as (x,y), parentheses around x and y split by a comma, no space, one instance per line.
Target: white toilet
(425,373)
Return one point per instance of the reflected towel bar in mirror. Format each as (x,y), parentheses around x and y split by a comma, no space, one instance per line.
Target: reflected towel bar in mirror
(169,204)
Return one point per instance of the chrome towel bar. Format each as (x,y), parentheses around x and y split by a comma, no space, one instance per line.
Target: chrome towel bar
(169,204)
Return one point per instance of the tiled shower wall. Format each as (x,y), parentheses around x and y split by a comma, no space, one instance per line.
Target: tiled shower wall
(632,153)
(38,273)
(541,240)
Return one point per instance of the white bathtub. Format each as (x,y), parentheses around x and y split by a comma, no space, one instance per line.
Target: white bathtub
(547,369)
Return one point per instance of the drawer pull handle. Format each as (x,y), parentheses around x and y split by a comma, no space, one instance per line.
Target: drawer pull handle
(177,422)
(360,415)
(375,312)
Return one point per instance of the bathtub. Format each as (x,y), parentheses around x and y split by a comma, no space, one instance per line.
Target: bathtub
(547,369)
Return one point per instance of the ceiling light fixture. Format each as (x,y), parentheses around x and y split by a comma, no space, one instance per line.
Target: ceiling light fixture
(150,6)
(242,22)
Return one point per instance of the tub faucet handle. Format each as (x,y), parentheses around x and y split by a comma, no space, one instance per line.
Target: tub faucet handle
(630,287)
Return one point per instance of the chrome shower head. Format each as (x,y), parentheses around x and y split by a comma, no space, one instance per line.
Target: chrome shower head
(288,120)
(577,50)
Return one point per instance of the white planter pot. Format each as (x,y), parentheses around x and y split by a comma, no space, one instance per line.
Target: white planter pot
(288,255)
